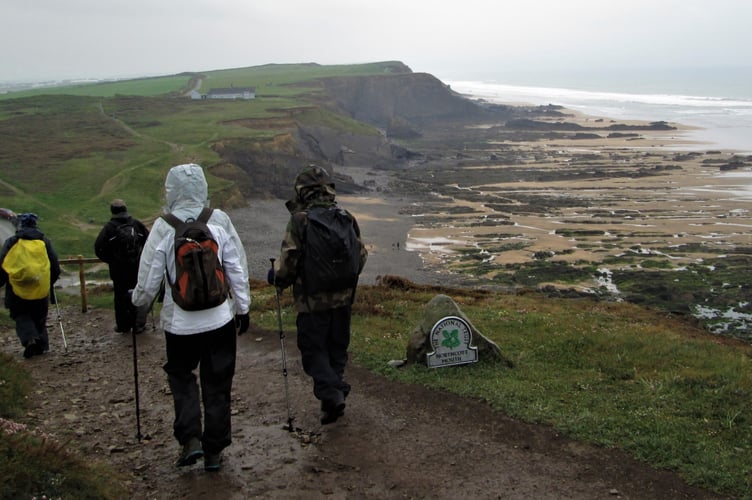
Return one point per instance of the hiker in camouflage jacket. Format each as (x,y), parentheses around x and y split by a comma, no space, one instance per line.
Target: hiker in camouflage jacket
(323,320)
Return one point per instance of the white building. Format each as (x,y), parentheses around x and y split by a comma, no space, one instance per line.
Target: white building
(227,93)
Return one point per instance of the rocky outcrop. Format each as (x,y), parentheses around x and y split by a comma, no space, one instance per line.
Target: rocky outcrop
(529,124)
(413,101)
(440,307)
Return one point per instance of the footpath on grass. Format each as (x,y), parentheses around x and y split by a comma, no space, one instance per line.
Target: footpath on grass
(395,440)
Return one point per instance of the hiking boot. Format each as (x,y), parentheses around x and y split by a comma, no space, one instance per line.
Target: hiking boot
(213,462)
(117,329)
(31,349)
(331,411)
(191,453)
(139,329)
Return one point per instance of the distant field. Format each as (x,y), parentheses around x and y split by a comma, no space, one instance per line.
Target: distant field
(138,87)
(273,79)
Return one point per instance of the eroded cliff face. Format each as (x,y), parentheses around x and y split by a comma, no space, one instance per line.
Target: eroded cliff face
(415,100)
(398,105)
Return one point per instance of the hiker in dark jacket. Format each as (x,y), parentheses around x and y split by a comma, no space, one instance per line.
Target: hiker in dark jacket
(323,320)
(111,248)
(30,315)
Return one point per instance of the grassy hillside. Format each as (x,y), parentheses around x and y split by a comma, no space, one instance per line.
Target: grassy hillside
(69,150)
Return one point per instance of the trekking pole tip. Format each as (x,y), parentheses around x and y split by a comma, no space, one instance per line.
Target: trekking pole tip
(289,427)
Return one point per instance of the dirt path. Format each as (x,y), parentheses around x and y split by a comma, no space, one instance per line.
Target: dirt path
(395,441)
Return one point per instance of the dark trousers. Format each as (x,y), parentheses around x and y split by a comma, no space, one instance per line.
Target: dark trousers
(323,339)
(213,353)
(127,315)
(31,321)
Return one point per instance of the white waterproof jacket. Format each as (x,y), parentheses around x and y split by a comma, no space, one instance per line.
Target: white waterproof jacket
(187,194)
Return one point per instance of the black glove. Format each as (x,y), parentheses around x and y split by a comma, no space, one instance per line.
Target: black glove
(242,322)
(270,276)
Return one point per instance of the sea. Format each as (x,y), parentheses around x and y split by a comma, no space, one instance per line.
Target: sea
(715,102)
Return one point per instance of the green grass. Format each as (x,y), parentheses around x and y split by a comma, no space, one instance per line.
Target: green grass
(613,374)
(15,385)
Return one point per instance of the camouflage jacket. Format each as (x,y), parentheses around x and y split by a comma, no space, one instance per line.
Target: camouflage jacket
(288,267)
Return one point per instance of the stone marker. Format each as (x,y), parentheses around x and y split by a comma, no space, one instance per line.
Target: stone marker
(451,340)
(444,313)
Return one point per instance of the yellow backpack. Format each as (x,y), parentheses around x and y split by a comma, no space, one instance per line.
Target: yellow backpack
(28,268)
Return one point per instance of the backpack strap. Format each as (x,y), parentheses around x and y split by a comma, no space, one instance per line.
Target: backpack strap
(206,212)
(172,220)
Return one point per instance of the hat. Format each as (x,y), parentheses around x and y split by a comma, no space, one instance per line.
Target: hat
(117,206)
(313,179)
(311,176)
(27,220)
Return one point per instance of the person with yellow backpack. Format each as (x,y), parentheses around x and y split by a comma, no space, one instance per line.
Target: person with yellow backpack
(29,268)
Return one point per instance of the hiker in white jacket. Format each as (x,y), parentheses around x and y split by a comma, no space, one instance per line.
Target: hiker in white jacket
(205,339)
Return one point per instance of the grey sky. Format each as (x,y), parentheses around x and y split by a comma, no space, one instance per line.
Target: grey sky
(57,39)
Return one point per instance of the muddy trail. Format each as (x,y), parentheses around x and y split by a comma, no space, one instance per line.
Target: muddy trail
(395,440)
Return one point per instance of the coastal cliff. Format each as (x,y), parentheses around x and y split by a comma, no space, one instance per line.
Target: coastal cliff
(417,99)
(392,109)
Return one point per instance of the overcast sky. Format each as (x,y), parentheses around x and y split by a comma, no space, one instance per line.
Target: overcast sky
(466,39)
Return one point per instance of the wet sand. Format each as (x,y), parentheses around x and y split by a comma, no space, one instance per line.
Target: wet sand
(684,200)
(385,230)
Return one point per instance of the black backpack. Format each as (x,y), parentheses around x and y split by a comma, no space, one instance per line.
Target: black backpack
(127,243)
(200,282)
(331,253)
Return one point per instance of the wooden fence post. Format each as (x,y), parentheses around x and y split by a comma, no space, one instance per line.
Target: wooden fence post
(82,279)
(81,261)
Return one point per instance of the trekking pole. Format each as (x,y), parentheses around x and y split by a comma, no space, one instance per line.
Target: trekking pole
(288,427)
(59,319)
(151,306)
(135,377)
(135,383)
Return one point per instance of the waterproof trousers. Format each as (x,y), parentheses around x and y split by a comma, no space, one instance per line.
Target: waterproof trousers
(323,339)
(127,316)
(213,353)
(31,321)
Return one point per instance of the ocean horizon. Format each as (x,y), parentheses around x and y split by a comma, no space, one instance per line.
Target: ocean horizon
(718,108)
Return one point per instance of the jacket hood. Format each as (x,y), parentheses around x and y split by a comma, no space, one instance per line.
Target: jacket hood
(30,233)
(186,187)
(27,220)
